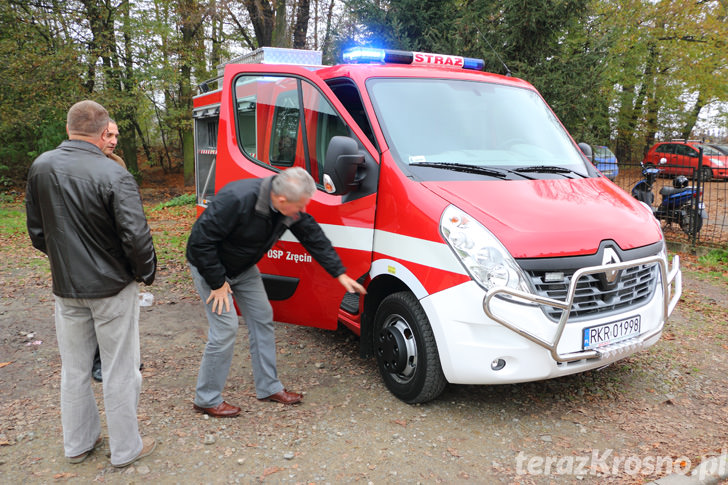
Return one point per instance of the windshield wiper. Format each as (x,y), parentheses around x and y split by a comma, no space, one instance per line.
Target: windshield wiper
(462,167)
(548,169)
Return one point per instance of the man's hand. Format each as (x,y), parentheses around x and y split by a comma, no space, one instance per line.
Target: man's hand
(219,298)
(351,285)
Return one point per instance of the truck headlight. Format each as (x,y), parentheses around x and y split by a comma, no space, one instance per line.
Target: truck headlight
(485,259)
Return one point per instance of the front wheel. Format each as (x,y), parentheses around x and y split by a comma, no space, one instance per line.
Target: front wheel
(405,349)
(691,223)
(705,174)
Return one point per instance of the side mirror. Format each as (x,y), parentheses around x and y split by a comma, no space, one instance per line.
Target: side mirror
(587,151)
(344,169)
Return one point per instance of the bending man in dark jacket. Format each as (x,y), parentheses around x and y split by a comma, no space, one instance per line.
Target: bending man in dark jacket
(233,233)
(84,212)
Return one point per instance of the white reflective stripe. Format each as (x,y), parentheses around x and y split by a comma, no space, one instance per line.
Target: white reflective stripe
(344,237)
(428,253)
(394,268)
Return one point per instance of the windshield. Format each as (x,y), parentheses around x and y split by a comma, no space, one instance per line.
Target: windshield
(443,121)
(711,151)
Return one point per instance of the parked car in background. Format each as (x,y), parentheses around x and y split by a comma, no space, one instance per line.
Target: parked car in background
(606,162)
(681,157)
(720,147)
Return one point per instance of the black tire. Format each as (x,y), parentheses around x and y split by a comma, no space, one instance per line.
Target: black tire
(405,349)
(705,174)
(690,223)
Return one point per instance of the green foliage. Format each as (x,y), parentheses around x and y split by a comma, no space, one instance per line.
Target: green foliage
(40,79)
(12,222)
(616,73)
(138,175)
(180,200)
(715,257)
(5,181)
(546,42)
(714,265)
(625,72)
(404,24)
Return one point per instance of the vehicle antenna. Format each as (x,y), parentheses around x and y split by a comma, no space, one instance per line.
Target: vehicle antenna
(508,71)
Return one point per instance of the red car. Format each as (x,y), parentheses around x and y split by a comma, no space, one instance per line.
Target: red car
(682,158)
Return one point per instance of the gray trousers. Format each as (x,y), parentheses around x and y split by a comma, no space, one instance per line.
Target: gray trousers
(113,323)
(253,301)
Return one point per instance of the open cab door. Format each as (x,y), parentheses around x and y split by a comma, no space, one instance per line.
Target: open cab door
(277,116)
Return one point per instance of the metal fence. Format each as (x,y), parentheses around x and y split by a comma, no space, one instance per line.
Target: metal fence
(713,193)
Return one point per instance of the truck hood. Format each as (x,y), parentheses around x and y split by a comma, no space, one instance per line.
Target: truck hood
(552,218)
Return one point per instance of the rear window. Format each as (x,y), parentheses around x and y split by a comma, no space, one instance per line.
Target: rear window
(603,152)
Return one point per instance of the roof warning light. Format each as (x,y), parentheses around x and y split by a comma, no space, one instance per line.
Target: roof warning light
(367,55)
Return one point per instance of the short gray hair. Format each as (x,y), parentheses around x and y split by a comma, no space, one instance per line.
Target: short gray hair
(294,184)
(87,118)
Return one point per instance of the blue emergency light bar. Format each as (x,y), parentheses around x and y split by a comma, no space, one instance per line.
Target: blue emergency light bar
(367,55)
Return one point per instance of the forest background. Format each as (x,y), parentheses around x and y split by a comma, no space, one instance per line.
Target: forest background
(622,73)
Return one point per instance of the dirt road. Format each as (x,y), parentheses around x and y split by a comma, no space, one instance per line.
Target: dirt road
(658,412)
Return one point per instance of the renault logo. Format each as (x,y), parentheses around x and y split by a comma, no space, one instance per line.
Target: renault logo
(610,257)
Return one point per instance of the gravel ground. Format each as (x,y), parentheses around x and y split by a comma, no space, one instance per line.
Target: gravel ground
(662,410)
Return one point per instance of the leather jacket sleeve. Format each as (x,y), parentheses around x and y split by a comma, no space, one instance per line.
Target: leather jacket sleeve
(312,237)
(226,212)
(133,230)
(34,221)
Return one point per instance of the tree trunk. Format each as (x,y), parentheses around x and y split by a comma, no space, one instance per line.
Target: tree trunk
(650,122)
(128,111)
(630,113)
(692,117)
(316,24)
(93,14)
(301,28)
(626,113)
(145,144)
(191,21)
(652,107)
(261,16)
(325,46)
(217,32)
(280,27)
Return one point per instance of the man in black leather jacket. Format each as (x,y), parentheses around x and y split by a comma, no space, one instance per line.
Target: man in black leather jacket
(84,211)
(233,233)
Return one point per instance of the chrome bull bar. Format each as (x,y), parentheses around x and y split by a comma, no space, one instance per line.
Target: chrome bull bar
(668,278)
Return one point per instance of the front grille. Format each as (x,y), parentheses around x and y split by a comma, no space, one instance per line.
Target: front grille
(635,287)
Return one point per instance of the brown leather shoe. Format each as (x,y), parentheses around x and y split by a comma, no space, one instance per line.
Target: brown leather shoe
(80,458)
(222,410)
(284,397)
(148,445)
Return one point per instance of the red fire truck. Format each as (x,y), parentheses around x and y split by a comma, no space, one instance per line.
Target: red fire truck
(491,250)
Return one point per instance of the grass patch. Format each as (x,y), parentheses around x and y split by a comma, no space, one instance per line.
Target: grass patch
(12,222)
(181,200)
(715,257)
(170,246)
(714,265)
